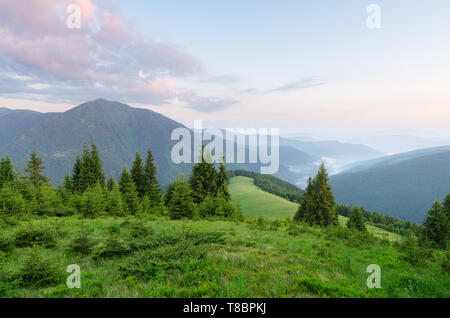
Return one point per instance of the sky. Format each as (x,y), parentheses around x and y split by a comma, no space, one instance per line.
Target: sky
(302,66)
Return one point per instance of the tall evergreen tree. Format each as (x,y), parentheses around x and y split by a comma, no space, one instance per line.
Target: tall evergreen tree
(203,180)
(76,175)
(222,182)
(138,175)
(435,227)
(111,184)
(34,168)
(151,182)
(97,167)
(356,219)
(181,204)
(128,190)
(6,171)
(318,206)
(68,184)
(86,179)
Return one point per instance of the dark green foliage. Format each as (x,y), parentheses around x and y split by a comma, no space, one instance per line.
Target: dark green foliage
(111,184)
(151,183)
(203,181)
(93,202)
(76,175)
(115,204)
(12,202)
(6,243)
(181,204)
(113,246)
(412,252)
(128,191)
(34,169)
(317,206)
(6,171)
(31,235)
(138,176)
(436,227)
(356,219)
(38,271)
(90,169)
(384,222)
(221,183)
(217,206)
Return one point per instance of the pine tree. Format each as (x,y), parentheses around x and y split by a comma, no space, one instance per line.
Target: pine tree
(435,227)
(356,220)
(115,204)
(151,183)
(203,180)
(68,185)
(138,175)
(128,190)
(6,171)
(96,167)
(317,206)
(222,182)
(111,184)
(34,170)
(76,175)
(86,179)
(181,204)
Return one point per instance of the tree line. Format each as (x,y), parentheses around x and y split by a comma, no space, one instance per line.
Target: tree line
(87,192)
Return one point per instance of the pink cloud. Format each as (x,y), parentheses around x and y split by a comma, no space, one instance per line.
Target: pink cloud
(106,51)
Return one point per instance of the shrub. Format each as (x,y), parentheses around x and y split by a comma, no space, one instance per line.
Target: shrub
(82,244)
(38,271)
(217,206)
(29,236)
(164,260)
(6,243)
(113,246)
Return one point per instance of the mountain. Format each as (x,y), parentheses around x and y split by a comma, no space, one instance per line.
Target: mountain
(117,129)
(403,143)
(333,149)
(403,186)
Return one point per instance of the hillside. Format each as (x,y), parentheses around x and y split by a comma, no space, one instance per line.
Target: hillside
(256,202)
(403,186)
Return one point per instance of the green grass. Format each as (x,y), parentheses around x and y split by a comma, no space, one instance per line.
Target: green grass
(228,259)
(256,202)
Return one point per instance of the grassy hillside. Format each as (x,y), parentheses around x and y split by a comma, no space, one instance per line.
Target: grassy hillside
(256,202)
(210,258)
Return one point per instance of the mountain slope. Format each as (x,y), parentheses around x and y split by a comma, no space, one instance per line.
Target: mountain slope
(401,187)
(117,129)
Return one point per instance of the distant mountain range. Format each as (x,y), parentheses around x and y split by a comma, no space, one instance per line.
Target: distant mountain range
(403,185)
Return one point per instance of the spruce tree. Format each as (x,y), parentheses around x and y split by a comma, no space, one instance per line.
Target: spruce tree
(128,191)
(356,219)
(86,179)
(76,175)
(181,204)
(222,182)
(138,175)
(96,167)
(68,184)
(435,227)
(111,184)
(6,171)
(151,183)
(203,180)
(317,206)
(34,168)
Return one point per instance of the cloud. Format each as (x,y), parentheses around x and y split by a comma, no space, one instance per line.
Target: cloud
(221,79)
(108,56)
(207,104)
(300,84)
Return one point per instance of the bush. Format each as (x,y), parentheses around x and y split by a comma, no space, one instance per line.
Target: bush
(351,237)
(217,206)
(6,243)
(167,259)
(29,236)
(113,246)
(38,271)
(82,244)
